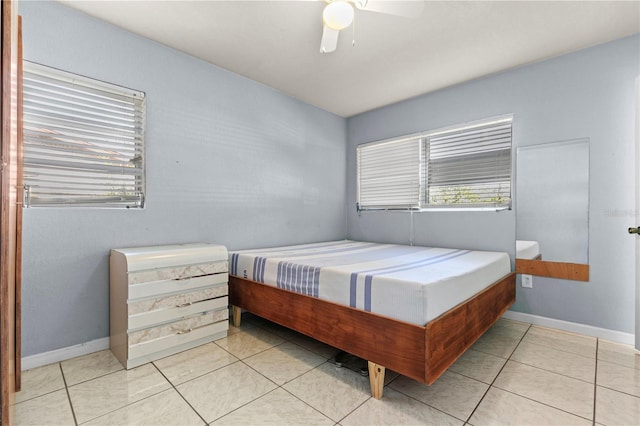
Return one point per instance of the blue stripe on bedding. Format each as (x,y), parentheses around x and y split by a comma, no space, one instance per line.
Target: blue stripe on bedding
(307,248)
(255,268)
(396,268)
(289,254)
(234,264)
(367,292)
(301,279)
(259,264)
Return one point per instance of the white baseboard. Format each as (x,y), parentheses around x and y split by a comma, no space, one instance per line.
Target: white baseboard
(38,360)
(573,327)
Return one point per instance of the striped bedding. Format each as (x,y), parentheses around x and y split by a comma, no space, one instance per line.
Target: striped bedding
(408,283)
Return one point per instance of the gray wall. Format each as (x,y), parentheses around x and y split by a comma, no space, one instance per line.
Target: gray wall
(229,161)
(587,94)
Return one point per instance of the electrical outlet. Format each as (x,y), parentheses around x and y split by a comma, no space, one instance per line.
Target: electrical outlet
(527,281)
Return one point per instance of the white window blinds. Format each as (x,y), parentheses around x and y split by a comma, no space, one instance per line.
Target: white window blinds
(390,173)
(467,166)
(470,166)
(83,141)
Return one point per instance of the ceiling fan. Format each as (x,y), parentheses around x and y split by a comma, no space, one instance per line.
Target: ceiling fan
(338,15)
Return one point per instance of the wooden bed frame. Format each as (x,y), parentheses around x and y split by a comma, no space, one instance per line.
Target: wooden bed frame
(422,353)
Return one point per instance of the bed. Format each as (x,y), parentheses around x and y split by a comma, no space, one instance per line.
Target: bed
(411,309)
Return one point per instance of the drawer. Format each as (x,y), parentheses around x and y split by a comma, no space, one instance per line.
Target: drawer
(157,288)
(182,326)
(174,340)
(159,316)
(139,306)
(178,272)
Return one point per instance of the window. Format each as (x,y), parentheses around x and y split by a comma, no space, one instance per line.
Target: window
(465,166)
(470,166)
(390,173)
(83,141)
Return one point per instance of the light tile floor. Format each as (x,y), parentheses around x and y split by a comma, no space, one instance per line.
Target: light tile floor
(265,374)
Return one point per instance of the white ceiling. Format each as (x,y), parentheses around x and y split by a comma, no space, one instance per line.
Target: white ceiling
(394,58)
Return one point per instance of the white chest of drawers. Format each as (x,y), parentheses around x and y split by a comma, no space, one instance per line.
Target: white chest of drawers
(166,299)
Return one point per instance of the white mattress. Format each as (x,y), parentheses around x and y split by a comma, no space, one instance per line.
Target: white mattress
(527,249)
(408,283)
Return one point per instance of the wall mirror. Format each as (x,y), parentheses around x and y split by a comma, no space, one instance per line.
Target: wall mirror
(552,209)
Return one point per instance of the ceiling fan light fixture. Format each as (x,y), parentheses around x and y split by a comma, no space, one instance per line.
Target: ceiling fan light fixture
(338,15)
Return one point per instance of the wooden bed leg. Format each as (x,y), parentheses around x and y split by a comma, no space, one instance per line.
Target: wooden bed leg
(376,379)
(237,315)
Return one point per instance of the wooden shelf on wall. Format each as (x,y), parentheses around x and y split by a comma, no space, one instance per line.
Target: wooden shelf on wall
(562,270)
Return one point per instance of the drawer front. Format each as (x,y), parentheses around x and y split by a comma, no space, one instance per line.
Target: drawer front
(178,272)
(159,316)
(147,348)
(182,326)
(176,300)
(158,288)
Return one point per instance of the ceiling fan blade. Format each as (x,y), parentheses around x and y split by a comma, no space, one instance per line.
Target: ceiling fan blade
(404,8)
(329,40)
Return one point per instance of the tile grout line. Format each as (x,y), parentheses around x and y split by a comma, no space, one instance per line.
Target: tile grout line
(352,411)
(549,371)
(496,377)
(307,404)
(542,369)
(242,360)
(99,376)
(369,397)
(561,332)
(620,391)
(327,361)
(240,407)
(429,405)
(203,374)
(66,388)
(526,397)
(178,392)
(128,404)
(542,403)
(271,391)
(557,349)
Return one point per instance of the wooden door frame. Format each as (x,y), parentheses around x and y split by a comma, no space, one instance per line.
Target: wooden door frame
(19,203)
(9,211)
(636,217)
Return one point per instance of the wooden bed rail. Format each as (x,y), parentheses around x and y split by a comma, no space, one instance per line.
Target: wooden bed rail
(396,345)
(422,353)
